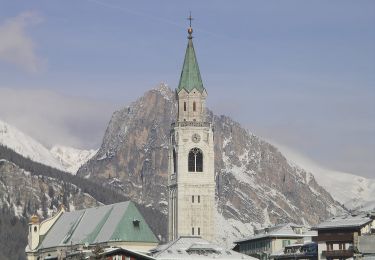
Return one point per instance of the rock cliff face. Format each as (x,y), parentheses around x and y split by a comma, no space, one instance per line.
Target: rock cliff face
(27,194)
(255,183)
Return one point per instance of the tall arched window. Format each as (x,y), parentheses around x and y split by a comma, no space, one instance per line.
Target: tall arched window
(194,106)
(195,163)
(184,106)
(174,161)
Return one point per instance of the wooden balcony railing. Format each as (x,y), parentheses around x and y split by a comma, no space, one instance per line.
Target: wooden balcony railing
(338,253)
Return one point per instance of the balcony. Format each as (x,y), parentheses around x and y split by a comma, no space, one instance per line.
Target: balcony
(338,253)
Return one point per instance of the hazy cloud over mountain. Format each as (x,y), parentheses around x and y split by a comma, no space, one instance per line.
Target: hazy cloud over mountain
(54,118)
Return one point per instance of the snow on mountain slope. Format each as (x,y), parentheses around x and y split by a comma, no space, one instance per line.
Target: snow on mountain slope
(355,192)
(26,146)
(71,158)
(60,157)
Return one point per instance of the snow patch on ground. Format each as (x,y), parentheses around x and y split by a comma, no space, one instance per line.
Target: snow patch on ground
(230,230)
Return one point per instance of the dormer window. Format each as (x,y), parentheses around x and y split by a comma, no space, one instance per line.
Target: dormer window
(136,222)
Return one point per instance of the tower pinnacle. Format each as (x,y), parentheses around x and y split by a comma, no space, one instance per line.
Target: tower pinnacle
(190,29)
(190,76)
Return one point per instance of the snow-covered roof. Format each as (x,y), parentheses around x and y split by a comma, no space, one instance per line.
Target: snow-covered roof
(194,247)
(112,250)
(345,221)
(281,230)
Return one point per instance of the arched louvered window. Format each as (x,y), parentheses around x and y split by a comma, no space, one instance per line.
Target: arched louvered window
(195,163)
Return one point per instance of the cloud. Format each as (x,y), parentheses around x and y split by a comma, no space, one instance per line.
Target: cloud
(53,118)
(16,47)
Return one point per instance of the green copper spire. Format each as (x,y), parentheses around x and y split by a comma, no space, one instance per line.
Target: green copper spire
(190,75)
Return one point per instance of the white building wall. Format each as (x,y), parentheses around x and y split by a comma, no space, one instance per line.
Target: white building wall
(184,214)
(321,247)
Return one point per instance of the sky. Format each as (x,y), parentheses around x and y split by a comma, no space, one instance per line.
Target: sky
(300,74)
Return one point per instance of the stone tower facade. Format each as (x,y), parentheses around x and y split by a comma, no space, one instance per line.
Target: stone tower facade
(191,177)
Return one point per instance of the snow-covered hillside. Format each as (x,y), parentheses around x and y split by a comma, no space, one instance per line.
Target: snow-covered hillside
(354,191)
(60,157)
(26,146)
(71,158)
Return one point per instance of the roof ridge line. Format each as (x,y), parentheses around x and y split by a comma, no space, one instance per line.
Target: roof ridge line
(99,226)
(73,228)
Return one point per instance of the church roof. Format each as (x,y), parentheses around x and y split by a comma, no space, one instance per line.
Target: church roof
(116,222)
(190,76)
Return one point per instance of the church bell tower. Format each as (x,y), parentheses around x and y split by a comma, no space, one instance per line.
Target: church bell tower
(191,176)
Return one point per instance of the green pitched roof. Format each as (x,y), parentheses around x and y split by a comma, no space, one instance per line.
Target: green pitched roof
(127,230)
(190,76)
(117,222)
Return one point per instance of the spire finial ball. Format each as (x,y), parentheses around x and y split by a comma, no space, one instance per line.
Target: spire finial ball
(190,30)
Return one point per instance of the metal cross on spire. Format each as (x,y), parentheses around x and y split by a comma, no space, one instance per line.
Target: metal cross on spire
(190,19)
(190,30)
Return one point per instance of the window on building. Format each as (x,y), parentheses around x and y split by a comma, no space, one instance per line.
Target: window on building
(195,160)
(192,231)
(194,106)
(329,246)
(174,161)
(184,106)
(35,229)
(192,199)
(199,199)
(342,246)
(199,231)
(286,243)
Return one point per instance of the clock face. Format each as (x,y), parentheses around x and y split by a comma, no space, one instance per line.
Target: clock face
(196,138)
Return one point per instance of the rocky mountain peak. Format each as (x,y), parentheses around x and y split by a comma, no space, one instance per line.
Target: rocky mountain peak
(255,183)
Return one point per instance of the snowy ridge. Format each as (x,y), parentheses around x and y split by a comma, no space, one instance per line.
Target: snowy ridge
(59,157)
(71,158)
(353,191)
(25,145)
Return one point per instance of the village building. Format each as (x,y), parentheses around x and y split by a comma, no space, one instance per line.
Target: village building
(116,225)
(111,253)
(195,247)
(348,236)
(297,251)
(272,240)
(191,177)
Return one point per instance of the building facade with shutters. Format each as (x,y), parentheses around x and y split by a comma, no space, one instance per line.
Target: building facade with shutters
(347,237)
(267,242)
(191,177)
